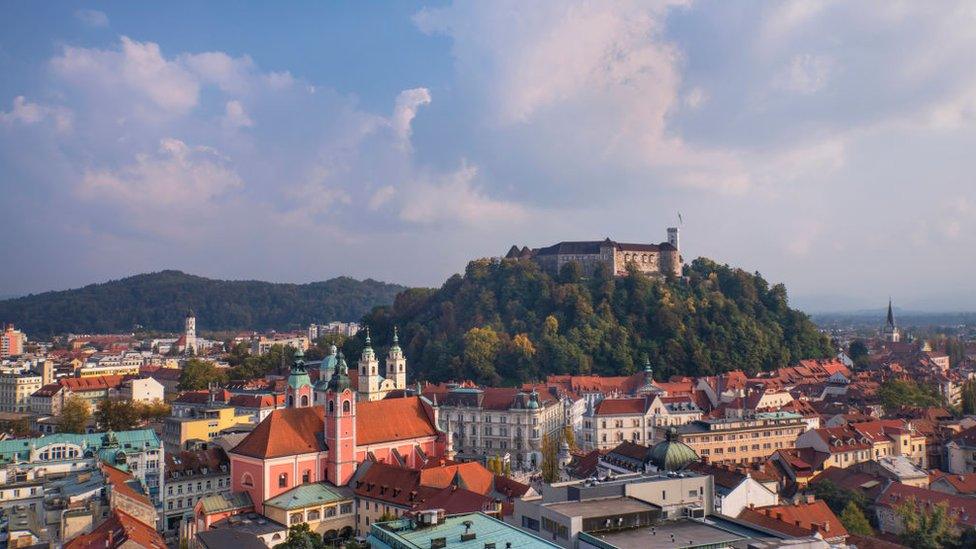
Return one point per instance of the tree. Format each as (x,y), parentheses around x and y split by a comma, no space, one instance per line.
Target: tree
(550,459)
(969,397)
(926,527)
(570,272)
(74,415)
(301,536)
(858,352)
(855,521)
(199,374)
(480,350)
(838,498)
(156,410)
(896,393)
(117,415)
(569,436)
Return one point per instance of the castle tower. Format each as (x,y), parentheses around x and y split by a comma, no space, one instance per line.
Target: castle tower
(673,238)
(299,393)
(396,364)
(369,375)
(890,332)
(340,426)
(190,332)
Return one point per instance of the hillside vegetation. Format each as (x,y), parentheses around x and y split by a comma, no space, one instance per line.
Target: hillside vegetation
(159,301)
(507,321)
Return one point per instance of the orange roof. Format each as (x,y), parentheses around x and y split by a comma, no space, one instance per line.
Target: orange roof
(476,478)
(798,519)
(620,406)
(123,482)
(297,430)
(92,383)
(116,531)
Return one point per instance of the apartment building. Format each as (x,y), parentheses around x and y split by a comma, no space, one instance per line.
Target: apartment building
(17,384)
(191,476)
(127,363)
(638,420)
(179,432)
(495,421)
(742,440)
(11,342)
(858,442)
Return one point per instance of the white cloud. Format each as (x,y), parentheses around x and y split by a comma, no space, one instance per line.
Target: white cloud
(137,73)
(230,74)
(806,73)
(235,116)
(695,98)
(382,196)
(176,175)
(92,18)
(454,199)
(404,111)
(29,113)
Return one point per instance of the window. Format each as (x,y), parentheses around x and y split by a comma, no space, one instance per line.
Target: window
(331,406)
(306,477)
(345,508)
(304,400)
(247,481)
(313,515)
(345,406)
(283,480)
(295,518)
(330,512)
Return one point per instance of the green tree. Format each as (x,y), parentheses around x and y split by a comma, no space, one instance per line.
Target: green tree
(570,272)
(926,528)
(896,393)
(481,347)
(117,414)
(301,536)
(199,374)
(550,459)
(74,415)
(858,352)
(156,410)
(854,520)
(837,498)
(968,405)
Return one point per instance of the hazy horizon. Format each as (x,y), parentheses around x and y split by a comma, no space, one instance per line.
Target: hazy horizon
(396,141)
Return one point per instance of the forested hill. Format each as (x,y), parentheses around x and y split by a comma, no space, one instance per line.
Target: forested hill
(159,301)
(506,322)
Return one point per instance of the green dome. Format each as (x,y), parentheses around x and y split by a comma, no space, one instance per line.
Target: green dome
(672,454)
(533,403)
(298,377)
(340,377)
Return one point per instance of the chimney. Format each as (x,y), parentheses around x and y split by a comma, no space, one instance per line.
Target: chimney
(811,498)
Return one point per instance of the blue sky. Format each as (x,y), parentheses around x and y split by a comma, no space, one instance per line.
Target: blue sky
(825,144)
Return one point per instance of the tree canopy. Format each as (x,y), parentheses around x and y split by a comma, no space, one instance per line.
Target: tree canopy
(896,393)
(508,321)
(75,414)
(199,374)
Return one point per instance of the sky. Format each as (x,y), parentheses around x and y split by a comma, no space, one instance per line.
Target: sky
(827,145)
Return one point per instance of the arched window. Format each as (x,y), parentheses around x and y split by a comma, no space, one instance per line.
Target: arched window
(283,480)
(306,476)
(345,406)
(291,401)
(247,481)
(304,400)
(331,406)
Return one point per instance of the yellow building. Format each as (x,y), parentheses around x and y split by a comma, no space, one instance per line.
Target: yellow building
(328,510)
(16,388)
(742,440)
(109,370)
(178,432)
(858,442)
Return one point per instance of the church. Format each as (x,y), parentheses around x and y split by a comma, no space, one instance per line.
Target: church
(328,429)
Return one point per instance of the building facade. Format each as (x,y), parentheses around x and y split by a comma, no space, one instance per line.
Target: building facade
(742,440)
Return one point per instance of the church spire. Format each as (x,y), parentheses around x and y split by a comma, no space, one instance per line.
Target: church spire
(891,315)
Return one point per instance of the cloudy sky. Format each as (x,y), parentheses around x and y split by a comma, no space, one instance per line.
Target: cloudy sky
(828,145)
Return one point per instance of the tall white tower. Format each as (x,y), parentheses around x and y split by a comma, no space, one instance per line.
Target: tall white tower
(396,364)
(190,332)
(369,375)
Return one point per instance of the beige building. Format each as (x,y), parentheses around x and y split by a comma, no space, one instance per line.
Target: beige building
(638,420)
(869,440)
(328,510)
(180,432)
(742,440)
(16,387)
(497,421)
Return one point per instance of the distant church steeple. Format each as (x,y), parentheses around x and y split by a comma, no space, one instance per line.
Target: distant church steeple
(890,332)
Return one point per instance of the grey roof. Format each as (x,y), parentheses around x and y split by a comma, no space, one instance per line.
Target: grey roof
(229,538)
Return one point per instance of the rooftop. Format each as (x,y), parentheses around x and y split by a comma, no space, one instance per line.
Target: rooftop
(405,533)
(681,533)
(229,538)
(601,507)
(307,495)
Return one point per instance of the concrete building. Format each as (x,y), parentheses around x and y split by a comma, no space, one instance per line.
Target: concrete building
(145,389)
(17,384)
(434,529)
(11,342)
(179,433)
(742,440)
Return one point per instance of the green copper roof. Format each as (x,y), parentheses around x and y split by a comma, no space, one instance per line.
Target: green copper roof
(404,533)
(340,377)
(308,495)
(298,377)
(107,445)
(225,502)
(672,454)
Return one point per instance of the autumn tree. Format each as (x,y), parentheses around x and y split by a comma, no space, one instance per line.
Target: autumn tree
(481,347)
(550,459)
(569,436)
(854,520)
(117,414)
(156,410)
(926,527)
(75,414)
(199,374)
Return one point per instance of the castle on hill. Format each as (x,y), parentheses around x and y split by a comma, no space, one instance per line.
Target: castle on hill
(652,259)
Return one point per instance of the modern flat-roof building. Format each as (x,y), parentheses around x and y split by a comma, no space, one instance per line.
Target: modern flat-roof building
(432,529)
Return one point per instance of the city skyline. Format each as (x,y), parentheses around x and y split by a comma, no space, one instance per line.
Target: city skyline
(821,144)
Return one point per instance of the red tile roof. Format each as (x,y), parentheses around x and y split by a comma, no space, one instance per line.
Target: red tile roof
(801,519)
(92,383)
(119,529)
(963,484)
(962,508)
(291,431)
(621,406)
(122,482)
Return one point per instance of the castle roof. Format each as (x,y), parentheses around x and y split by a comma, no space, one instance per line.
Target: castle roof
(292,431)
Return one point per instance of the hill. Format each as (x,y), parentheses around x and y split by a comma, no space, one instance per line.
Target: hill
(508,321)
(159,301)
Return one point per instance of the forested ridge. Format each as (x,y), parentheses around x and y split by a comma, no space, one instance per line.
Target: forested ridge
(159,301)
(507,321)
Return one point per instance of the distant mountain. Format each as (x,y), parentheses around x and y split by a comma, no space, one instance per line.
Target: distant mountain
(159,301)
